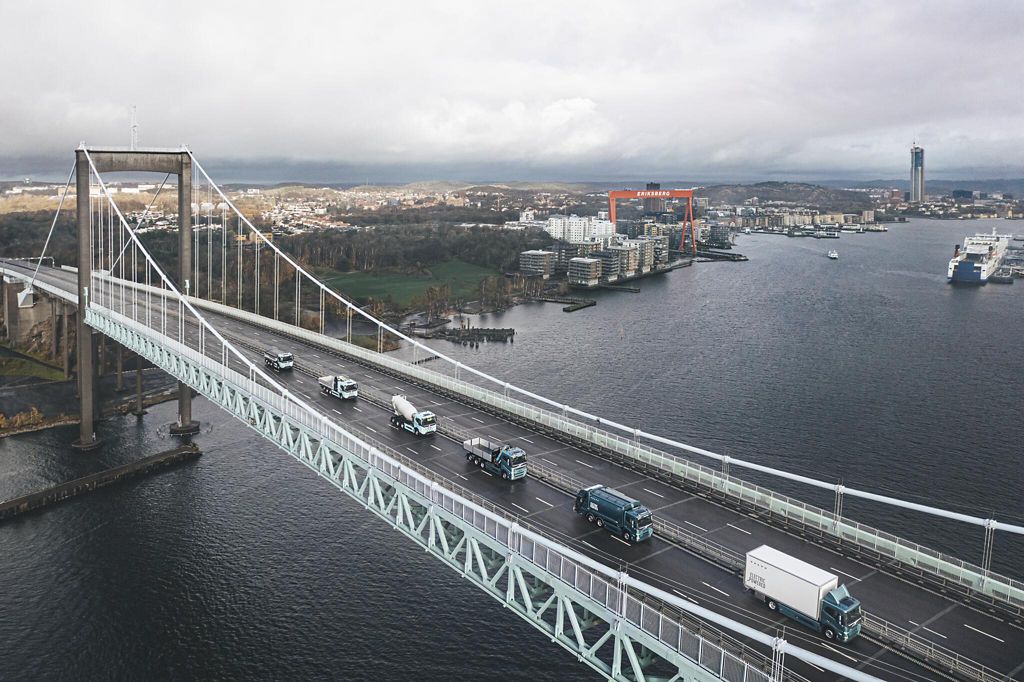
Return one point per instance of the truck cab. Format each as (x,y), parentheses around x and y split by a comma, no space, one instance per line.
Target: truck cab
(278,360)
(841,612)
(618,513)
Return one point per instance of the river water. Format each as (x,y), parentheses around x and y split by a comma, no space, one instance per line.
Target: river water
(870,370)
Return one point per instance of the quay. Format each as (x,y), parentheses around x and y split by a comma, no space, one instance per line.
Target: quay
(79,486)
(572,303)
(474,334)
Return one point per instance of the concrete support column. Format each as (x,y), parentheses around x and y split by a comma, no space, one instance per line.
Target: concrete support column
(185,425)
(11,290)
(87,439)
(67,349)
(54,329)
(101,365)
(119,367)
(139,410)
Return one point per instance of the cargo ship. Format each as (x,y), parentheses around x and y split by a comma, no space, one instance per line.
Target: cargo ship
(979,259)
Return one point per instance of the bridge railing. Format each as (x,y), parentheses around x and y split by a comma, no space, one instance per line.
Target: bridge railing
(885,545)
(618,594)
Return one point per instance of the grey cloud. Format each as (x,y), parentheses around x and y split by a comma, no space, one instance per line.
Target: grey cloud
(600,89)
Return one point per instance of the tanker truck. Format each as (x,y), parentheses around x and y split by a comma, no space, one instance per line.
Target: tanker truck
(406,417)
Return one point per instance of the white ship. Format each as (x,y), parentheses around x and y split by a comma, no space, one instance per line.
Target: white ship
(979,259)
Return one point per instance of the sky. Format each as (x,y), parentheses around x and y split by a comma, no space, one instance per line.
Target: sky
(573,91)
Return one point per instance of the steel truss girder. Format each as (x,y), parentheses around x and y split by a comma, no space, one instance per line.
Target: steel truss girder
(622,652)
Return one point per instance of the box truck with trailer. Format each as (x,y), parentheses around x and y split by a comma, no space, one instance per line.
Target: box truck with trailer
(803,592)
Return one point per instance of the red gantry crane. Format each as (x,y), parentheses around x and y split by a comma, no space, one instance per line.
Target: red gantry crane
(658,194)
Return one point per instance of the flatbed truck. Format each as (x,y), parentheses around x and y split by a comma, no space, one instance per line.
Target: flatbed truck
(507,461)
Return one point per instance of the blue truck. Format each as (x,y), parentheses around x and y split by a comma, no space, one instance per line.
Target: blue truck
(618,513)
(803,592)
(507,461)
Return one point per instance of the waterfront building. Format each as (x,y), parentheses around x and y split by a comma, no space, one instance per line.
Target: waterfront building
(609,264)
(537,263)
(576,228)
(585,271)
(644,253)
(916,174)
(629,259)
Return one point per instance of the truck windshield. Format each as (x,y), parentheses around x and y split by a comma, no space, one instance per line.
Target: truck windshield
(284,356)
(518,459)
(645,521)
(428,420)
(850,617)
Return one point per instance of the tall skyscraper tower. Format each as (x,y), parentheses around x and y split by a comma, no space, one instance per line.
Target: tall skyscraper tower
(655,204)
(916,174)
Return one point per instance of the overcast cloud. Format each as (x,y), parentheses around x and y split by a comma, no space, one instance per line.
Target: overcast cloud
(550,90)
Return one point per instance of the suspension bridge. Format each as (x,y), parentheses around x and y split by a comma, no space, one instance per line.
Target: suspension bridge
(672,608)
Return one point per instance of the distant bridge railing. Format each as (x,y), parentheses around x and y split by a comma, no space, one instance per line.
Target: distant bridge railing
(984,585)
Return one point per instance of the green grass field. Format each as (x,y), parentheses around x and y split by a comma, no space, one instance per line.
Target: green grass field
(23,367)
(463,278)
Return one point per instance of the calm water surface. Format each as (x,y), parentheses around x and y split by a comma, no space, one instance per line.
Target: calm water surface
(870,370)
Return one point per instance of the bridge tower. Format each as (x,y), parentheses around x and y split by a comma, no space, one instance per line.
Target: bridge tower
(175,162)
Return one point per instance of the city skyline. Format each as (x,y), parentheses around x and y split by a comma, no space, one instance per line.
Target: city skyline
(742,93)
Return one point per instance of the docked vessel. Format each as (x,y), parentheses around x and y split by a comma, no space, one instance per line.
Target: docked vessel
(833,254)
(979,259)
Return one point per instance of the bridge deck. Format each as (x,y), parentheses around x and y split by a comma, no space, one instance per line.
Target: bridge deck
(980,636)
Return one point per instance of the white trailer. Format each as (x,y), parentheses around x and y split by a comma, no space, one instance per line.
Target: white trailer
(339,386)
(787,580)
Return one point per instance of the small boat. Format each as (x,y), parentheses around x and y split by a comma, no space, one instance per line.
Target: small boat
(833,254)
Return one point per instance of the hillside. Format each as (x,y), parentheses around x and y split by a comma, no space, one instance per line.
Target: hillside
(796,193)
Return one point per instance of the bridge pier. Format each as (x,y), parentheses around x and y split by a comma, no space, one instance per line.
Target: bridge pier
(87,439)
(139,409)
(64,307)
(186,426)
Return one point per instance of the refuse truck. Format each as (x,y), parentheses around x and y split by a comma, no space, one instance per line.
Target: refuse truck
(619,514)
(507,461)
(339,386)
(803,592)
(407,417)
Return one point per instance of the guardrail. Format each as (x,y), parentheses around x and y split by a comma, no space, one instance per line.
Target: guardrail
(985,586)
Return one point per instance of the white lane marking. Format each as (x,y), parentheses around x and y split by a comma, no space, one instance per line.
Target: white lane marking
(616,537)
(335,411)
(434,402)
(685,597)
(526,439)
(715,589)
(549,461)
(478,420)
(544,501)
(589,545)
(738,528)
(928,629)
(412,451)
(585,464)
(982,632)
(316,356)
(653,493)
(487,473)
(696,526)
(832,568)
(257,334)
(437,448)
(300,381)
(523,509)
(372,429)
(356,408)
(829,646)
(399,388)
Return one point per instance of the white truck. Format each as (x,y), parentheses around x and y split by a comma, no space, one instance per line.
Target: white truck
(339,386)
(803,592)
(407,417)
(278,360)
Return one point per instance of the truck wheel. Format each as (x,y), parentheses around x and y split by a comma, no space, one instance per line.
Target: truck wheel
(504,475)
(600,523)
(772,606)
(481,463)
(590,518)
(469,457)
(830,633)
(625,535)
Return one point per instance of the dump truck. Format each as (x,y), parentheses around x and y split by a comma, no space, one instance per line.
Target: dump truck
(407,417)
(618,513)
(278,360)
(508,461)
(803,592)
(339,386)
